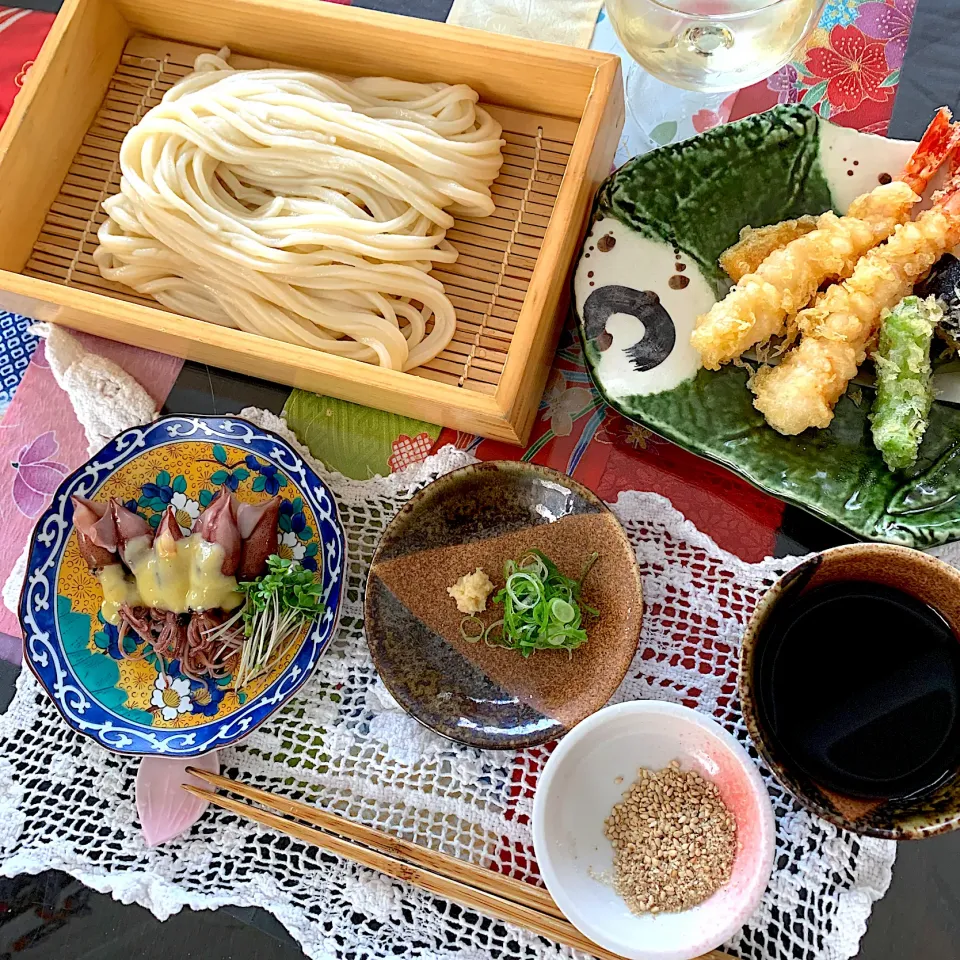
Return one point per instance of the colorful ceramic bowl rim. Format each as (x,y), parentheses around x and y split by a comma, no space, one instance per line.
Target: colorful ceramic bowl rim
(42,645)
(915,829)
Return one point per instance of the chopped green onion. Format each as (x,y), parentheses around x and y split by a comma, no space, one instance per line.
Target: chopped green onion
(472,637)
(541,607)
(562,611)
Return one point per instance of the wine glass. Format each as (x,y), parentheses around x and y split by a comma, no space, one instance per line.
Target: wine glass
(712,45)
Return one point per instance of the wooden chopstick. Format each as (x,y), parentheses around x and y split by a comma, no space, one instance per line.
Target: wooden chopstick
(493,894)
(447,887)
(401,849)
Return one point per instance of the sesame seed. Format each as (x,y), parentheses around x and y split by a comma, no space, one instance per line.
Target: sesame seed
(671,825)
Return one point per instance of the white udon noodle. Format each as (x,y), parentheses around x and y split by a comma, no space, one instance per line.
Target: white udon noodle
(302,208)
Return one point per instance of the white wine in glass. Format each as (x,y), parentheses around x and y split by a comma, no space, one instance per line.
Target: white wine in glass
(712,45)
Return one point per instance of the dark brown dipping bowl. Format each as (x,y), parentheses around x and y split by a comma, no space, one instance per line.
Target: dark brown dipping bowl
(929,580)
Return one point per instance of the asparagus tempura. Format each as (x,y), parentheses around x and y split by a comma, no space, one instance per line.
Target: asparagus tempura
(904,393)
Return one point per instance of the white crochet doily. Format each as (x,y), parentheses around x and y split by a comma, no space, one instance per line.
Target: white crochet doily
(343,744)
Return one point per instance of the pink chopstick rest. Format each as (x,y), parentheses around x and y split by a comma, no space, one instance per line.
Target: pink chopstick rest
(166,810)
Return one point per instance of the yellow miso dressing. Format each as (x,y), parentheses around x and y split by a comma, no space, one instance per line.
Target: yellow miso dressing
(168,574)
(117,590)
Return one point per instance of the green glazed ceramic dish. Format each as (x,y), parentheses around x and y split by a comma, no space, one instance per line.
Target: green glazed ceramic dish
(649,267)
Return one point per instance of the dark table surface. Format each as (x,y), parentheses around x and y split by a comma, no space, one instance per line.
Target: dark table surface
(53,917)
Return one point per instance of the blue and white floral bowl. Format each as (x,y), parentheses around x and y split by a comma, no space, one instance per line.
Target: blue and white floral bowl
(133,702)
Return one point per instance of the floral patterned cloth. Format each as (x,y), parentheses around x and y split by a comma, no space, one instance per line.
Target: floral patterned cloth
(847,69)
(41,441)
(578,434)
(21,34)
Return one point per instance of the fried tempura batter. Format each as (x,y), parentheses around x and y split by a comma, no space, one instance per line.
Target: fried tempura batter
(762,302)
(757,243)
(802,391)
(759,305)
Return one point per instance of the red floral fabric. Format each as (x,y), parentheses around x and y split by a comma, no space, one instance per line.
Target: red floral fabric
(847,69)
(853,67)
(577,434)
(22,33)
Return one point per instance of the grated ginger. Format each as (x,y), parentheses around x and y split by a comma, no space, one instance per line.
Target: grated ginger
(471,592)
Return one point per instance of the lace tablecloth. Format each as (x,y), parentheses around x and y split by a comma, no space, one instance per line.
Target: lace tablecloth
(345,745)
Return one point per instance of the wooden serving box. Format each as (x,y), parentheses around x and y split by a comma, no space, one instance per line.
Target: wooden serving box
(106,62)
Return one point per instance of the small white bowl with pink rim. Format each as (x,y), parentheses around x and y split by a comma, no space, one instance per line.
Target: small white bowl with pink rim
(583,779)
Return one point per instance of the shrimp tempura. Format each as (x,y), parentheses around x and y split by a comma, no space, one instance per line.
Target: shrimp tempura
(762,302)
(759,306)
(802,391)
(757,243)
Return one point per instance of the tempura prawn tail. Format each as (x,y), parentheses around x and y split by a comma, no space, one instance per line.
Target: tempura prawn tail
(938,142)
(762,302)
(803,390)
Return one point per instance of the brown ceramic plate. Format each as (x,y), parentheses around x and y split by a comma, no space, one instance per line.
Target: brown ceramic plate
(481,516)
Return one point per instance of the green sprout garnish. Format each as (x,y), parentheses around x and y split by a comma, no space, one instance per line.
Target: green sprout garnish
(275,607)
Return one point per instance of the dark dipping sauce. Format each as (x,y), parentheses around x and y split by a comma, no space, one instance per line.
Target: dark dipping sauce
(859,684)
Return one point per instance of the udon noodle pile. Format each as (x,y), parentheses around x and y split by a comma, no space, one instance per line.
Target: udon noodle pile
(303,208)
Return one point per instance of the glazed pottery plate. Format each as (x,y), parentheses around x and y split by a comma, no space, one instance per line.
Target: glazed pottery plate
(888,704)
(482,516)
(649,267)
(123,695)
